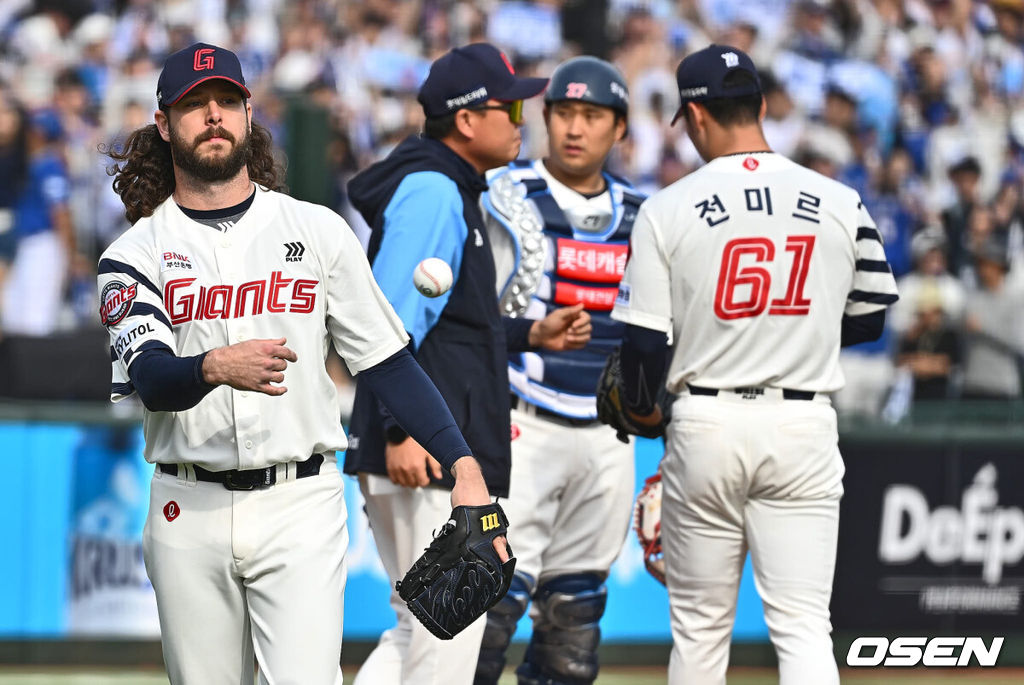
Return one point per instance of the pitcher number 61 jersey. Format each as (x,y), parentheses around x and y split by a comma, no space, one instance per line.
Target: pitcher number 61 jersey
(749,264)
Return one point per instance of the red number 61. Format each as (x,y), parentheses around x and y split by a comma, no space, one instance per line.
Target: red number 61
(733,274)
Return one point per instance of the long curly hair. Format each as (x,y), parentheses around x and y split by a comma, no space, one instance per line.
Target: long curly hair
(144,173)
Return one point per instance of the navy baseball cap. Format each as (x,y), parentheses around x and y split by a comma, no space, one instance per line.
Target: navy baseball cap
(472,75)
(701,75)
(186,69)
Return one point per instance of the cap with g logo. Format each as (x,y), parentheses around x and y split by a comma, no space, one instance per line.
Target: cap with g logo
(701,76)
(186,69)
(472,75)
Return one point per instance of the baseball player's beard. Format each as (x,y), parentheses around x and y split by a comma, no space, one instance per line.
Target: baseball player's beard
(211,170)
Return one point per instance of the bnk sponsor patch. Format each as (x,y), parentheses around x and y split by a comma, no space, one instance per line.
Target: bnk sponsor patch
(115,301)
(177,261)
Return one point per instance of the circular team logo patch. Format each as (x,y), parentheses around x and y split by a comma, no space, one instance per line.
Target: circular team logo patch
(115,301)
(171,510)
(750,164)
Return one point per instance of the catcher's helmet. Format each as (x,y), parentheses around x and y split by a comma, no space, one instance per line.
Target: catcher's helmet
(589,79)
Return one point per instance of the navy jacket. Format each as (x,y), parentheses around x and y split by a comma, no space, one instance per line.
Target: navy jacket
(427,198)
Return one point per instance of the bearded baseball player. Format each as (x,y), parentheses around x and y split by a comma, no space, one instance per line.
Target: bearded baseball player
(759,270)
(560,227)
(221,301)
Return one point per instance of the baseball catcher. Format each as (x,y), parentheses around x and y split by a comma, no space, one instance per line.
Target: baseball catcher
(459,576)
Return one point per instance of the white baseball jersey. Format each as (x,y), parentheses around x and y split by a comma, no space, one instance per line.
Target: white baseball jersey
(287,269)
(749,264)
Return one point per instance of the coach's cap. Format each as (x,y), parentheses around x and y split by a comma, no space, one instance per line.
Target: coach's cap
(186,69)
(701,76)
(472,75)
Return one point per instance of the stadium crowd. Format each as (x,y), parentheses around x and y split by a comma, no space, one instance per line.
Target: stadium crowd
(916,104)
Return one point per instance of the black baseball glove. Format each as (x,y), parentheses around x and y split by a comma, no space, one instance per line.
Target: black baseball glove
(459,576)
(611,408)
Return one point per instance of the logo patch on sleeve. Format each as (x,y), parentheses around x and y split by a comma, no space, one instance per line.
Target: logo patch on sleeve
(115,301)
(623,295)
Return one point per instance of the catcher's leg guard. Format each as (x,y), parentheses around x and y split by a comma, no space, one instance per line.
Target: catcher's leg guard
(566,631)
(501,625)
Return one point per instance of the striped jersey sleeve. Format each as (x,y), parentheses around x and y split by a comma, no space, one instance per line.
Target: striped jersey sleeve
(132,310)
(874,287)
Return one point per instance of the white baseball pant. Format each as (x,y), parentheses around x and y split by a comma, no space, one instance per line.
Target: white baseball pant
(403,521)
(570,496)
(33,294)
(239,574)
(763,475)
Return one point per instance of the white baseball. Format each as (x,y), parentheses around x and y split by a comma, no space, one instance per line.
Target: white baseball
(432,277)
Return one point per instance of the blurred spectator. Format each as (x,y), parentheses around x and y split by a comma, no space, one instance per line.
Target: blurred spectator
(993,329)
(929,251)
(930,349)
(868,370)
(984,230)
(1003,60)
(825,150)
(45,237)
(525,28)
(894,201)
(91,37)
(964,175)
(81,134)
(14,172)
(812,42)
(783,123)
(813,31)
(134,81)
(840,115)
(42,45)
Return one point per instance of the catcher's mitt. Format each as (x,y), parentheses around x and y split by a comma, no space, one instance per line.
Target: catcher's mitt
(459,576)
(647,524)
(610,403)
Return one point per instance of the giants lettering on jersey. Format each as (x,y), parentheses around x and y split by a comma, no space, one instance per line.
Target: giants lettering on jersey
(593,262)
(276,296)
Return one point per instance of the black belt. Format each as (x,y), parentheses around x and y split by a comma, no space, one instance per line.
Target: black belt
(517,402)
(787,394)
(251,479)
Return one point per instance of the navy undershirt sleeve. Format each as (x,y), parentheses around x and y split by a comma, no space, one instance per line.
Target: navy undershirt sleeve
(166,382)
(644,357)
(404,388)
(864,328)
(517,334)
